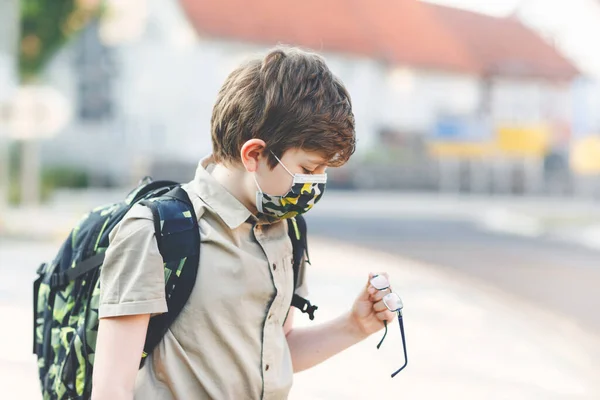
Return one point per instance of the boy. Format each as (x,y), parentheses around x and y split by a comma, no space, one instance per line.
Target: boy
(277,122)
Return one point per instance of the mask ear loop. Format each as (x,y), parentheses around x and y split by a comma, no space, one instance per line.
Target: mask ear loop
(259,195)
(283,165)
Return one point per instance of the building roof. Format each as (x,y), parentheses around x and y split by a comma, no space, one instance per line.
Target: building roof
(398,31)
(504,45)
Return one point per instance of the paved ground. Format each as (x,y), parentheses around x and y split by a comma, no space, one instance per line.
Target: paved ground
(465,340)
(18,261)
(525,247)
(560,276)
(501,302)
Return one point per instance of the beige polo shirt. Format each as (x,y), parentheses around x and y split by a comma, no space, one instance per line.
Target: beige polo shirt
(228,342)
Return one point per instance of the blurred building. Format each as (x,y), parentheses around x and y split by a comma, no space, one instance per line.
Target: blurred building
(438,93)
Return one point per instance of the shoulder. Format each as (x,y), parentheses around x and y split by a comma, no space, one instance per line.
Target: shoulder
(139,211)
(137,222)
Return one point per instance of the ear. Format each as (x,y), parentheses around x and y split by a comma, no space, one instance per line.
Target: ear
(251,153)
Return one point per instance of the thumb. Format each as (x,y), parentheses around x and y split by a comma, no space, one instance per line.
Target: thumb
(368,289)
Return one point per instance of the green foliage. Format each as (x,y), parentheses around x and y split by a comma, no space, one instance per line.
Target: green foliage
(380,155)
(46,25)
(52,178)
(62,176)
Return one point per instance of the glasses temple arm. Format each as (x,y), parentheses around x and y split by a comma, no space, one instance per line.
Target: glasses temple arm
(384,335)
(401,323)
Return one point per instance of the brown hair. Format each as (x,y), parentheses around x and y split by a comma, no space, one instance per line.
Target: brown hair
(290,99)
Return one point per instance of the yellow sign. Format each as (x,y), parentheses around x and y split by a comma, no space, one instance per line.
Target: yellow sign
(520,141)
(523,141)
(460,150)
(585,155)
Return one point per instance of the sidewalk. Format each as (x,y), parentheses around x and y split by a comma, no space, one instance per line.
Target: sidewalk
(576,220)
(465,340)
(569,220)
(53,221)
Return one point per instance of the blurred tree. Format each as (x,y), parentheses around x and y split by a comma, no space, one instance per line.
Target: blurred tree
(46,26)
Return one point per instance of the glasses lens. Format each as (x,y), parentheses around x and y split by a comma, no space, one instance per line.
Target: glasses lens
(393,302)
(380,282)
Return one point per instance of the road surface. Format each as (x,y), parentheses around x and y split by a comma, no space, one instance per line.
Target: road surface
(561,276)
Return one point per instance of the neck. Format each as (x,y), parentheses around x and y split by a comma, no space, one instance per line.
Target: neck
(237,182)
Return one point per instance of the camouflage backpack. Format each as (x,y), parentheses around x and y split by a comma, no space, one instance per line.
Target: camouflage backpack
(67,290)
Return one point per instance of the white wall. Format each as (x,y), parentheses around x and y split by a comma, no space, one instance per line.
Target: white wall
(416,98)
(529,101)
(585,95)
(168,77)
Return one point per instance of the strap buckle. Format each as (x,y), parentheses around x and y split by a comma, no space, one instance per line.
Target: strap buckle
(41,268)
(58,280)
(309,309)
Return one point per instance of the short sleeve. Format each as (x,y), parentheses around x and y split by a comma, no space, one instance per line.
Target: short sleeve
(132,276)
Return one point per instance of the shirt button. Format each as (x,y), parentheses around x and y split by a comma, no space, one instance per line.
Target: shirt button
(274,266)
(267,367)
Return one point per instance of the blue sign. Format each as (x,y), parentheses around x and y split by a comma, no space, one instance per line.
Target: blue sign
(461,129)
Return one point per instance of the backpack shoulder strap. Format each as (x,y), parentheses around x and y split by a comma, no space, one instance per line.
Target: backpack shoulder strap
(297,231)
(178,239)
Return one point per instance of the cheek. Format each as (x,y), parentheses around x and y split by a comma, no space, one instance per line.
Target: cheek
(278,182)
(281,186)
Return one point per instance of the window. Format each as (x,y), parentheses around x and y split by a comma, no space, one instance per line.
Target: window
(94,72)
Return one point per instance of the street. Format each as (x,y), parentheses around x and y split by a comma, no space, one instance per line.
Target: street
(487,314)
(459,141)
(562,277)
(559,276)
(18,262)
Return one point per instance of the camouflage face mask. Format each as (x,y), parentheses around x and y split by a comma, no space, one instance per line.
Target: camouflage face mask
(306,191)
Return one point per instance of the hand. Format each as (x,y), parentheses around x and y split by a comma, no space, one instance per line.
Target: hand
(369,311)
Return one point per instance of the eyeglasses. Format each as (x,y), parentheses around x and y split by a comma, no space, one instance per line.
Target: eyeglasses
(393,302)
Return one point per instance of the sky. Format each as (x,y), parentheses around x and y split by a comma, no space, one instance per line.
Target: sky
(574,25)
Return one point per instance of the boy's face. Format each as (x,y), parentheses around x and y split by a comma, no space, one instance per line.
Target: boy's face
(278,181)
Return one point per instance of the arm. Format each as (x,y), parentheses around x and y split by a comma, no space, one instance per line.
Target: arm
(118,352)
(313,345)
(132,288)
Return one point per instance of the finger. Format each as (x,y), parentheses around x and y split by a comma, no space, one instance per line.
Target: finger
(366,293)
(379,307)
(379,295)
(386,315)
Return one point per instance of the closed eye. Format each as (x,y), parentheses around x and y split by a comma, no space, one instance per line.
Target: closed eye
(306,171)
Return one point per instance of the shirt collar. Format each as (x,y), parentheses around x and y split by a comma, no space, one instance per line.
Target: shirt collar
(223,203)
